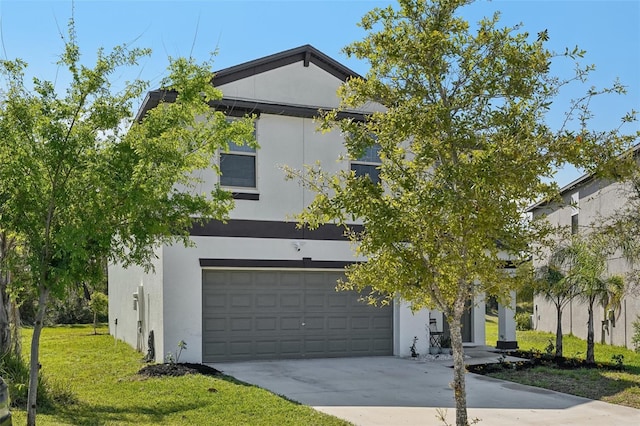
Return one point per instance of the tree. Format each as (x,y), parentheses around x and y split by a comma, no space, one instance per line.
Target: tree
(80,183)
(553,285)
(99,305)
(586,260)
(464,148)
(7,249)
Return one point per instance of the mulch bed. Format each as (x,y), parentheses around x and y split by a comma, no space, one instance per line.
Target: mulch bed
(177,369)
(536,358)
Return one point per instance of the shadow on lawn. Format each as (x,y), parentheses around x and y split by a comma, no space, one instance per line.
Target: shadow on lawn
(83,413)
(146,410)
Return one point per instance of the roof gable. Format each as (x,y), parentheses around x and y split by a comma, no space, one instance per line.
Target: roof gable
(234,82)
(306,54)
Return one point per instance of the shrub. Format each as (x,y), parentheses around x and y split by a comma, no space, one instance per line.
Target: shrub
(635,340)
(523,321)
(15,371)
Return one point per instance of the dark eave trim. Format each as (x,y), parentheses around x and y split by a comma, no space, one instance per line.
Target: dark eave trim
(581,181)
(241,107)
(304,263)
(239,228)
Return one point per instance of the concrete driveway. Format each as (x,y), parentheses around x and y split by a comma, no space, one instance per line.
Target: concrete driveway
(394,391)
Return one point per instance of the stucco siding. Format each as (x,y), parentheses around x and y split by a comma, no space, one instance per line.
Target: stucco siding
(131,321)
(598,200)
(290,84)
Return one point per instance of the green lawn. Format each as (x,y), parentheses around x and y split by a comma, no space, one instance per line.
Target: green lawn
(618,387)
(101,377)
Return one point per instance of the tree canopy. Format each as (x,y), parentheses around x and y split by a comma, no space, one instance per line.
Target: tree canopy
(464,149)
(81,182)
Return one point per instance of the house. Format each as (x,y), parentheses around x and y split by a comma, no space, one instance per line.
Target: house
(582,203)
(257,287)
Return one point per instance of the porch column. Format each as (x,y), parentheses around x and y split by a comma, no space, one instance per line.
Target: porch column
(507,325)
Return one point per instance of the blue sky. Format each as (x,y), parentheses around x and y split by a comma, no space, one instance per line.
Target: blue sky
(241,31)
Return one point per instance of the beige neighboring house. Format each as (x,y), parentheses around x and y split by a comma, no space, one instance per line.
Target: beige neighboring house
(586,201)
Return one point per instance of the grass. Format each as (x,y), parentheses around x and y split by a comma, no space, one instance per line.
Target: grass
(101,376)
(617,387)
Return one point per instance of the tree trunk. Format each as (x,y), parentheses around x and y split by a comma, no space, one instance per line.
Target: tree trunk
(5,303)
(16,327)
(559,332)
(34,363)
(5,306)
(459,390)
(590,355)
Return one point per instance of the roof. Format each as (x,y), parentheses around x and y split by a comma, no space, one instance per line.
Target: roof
(582,180)
(306,54)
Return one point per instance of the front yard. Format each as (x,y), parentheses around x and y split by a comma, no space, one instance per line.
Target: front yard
(604,384)
(98,381)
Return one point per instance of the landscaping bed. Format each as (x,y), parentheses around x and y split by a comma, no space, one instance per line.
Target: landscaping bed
(534,358)
(177,369)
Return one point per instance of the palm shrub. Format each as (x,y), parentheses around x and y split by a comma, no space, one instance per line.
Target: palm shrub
(635,340)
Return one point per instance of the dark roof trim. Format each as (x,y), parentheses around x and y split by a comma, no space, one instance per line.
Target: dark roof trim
(573,185)
(241,107)
(305,262)
(582,180)
(305,54)
(270,229)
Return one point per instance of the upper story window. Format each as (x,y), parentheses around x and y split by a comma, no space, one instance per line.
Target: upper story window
(238,166)
(575,209)
(368,164)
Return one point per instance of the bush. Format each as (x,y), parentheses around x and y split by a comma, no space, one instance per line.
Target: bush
(523,321)
(635,340)
(15,371)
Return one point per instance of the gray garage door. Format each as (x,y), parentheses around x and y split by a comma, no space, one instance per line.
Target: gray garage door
(288,314)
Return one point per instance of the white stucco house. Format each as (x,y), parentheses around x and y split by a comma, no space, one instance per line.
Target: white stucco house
(583,202)
(257,287)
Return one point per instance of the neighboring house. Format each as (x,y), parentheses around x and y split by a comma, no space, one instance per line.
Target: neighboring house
(587,201)
(257,287)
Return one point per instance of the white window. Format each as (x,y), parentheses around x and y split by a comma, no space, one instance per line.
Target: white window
(575,209)
(238,166)
(368,164)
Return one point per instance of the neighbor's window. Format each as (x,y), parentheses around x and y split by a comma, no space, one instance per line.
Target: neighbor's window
(575,209)
(238,166)
(368,164)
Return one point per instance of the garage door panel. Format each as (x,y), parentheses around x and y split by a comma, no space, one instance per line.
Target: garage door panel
(215,324)
(314,323)
(337,323)
(265,301)
(338,300)
(315,301)
(239,301)
(265,324)
(291,301)
(291,348)
(288,314)
(241,324)
(291,323)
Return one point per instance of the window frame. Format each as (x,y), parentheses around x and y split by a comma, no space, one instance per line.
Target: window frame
(365,161)
(236,150)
